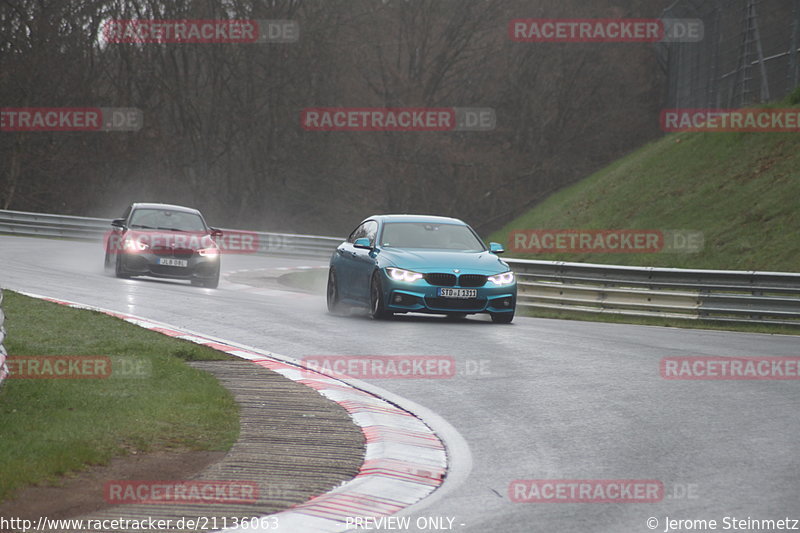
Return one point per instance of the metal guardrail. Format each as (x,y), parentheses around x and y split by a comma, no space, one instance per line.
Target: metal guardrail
(718,295)
(94,229)
(3,354)
(44,225)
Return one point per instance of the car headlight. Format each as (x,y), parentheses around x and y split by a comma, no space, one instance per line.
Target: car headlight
(132,245)
(208,252)
(506,278)
(398,274)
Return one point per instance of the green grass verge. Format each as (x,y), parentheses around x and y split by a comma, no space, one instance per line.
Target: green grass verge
(51,427)
(740,189)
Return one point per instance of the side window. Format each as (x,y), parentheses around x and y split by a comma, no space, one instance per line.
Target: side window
(367,229)
(357,234)
(371,231)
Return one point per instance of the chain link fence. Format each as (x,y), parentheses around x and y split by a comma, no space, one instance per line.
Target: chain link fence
(3,367)
(749,54)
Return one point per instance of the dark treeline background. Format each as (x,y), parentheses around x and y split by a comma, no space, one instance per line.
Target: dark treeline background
(222,121)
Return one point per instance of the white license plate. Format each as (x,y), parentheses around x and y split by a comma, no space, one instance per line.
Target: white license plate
(167,261)
(458,293)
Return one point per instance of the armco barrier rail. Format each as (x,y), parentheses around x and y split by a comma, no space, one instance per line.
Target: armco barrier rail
(718,295)
(86,228)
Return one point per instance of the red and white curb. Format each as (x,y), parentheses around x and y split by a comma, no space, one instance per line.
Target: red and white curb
(405,460)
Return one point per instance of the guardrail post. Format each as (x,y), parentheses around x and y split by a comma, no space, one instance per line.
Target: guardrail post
(759,293)
(3,367)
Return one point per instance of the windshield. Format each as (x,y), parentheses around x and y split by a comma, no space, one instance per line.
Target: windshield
(430,236)
(165,219)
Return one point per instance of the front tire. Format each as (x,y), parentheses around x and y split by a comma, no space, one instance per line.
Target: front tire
(212,283)
(377,307)
(107,266)
(119,270)
(112,245)
(332,292)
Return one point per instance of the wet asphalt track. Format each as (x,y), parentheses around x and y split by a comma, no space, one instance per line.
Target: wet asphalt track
(539,399)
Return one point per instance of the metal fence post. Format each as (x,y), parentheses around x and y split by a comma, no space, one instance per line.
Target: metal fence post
(794,48)
(3,367)
(749,53)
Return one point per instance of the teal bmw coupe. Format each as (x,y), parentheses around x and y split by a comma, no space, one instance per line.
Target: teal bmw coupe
(420,264)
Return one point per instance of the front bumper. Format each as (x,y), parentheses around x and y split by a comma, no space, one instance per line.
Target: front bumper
(146,264)
(422,297)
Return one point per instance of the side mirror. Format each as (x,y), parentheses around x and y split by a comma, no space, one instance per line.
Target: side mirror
(216,232)
(496,248)
(118,223)
(363,242)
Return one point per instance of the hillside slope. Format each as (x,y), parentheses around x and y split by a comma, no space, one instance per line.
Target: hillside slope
(742,190)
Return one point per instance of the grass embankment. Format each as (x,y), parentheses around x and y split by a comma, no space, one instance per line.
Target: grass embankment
(742,190)
(151,401)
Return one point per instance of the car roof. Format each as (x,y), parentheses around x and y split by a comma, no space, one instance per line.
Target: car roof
(164,206)
(416,218)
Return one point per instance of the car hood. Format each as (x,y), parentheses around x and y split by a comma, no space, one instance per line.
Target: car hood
(158,239)
(425,261)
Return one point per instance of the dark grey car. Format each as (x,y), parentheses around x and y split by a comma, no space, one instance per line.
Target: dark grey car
(165,241)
